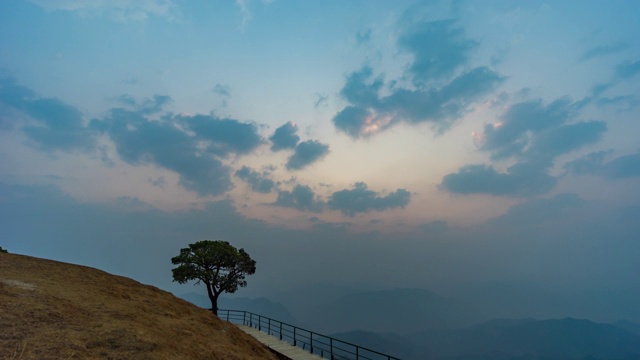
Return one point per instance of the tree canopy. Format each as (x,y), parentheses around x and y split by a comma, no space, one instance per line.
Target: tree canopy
(217,264)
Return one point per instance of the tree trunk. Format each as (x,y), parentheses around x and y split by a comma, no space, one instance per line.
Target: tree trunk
(213,296)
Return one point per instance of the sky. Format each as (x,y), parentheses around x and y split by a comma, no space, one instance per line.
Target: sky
(421,144)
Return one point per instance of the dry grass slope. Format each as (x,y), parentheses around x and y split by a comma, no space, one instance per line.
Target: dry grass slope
(53,310)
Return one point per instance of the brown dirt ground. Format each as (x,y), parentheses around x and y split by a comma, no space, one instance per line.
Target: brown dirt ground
(53,310)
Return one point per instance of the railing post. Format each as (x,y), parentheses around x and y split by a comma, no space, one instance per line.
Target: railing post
(269,326)
(294,336)
(280,330)
(331,347)
(311,342)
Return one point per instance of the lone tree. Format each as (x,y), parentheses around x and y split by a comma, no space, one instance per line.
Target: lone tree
(219,265)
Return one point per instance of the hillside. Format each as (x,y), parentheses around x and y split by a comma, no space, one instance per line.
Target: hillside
(53,310)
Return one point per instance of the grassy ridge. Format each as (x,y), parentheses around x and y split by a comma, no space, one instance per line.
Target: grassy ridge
(53,310)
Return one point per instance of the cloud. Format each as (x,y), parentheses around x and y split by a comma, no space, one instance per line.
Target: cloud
(534,135)
(519,180)
(362,200)
(444,86)
(511,136)
(627,70)
(285,137)
(223,136)
(56,125)
(222,90)
(147,106)
(192,146)
(363,37)
(245,12)
(306,153)
(539,211)
(117,10)
(321,101)
(587,164)
(604,50)
(595,164)
(623,167)
(258,182)
(188,145)
(438,48)
(349,201)
(141,141)
(301,197)
(370,114)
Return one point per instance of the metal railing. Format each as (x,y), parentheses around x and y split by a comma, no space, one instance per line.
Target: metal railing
(325,346)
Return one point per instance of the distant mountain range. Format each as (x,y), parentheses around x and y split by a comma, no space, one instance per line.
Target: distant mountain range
(510,339)
(417,324)
(402,311)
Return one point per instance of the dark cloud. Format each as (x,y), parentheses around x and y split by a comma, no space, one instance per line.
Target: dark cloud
(595,164)
(56,126)
(306,153)
(438,47)
(258,182)
(519,180)
(354,121)
(285,137)
(444,86)
(604,50)
(512,135)
(141,141)
(362,200)
(534,135)
(360,89)
(301,197)
(223,136)
(563,139)
(443,105)
(369,114)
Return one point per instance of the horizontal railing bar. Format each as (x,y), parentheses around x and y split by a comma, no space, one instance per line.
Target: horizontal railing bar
(278,327)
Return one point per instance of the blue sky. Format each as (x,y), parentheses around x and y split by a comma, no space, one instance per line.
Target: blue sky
(422,144)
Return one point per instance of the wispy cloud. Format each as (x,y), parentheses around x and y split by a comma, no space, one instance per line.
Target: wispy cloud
(245,12)
(604,50)
(117,10)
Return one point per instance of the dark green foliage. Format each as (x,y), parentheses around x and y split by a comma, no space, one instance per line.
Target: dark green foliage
(217,264)
(3,250)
